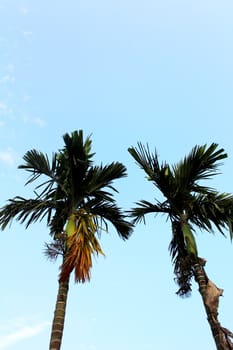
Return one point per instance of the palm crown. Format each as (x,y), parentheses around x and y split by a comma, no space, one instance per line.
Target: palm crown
(187,203)
(76,198)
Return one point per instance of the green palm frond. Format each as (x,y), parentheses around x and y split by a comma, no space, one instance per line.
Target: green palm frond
(106,212)
(76,147)
(146,160)
(74,161)
(213,209)
(181,261)
(59,217)
(25,211)
(77,153)
(37,163)
(99,177)
(144,207)
(201,164)
(160,174)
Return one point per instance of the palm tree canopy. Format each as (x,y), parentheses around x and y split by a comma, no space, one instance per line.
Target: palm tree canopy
(181,188)
(187,202)
(71,185)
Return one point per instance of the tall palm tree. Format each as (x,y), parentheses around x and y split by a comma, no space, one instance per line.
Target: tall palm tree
(77,199)
(189,205)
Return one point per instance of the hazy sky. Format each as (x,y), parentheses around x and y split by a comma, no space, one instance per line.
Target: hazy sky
(124,71)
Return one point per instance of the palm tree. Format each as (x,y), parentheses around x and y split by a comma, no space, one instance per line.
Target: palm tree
(189,205)
(76,197)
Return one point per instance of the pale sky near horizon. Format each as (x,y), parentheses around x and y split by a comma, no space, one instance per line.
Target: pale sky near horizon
(124,71)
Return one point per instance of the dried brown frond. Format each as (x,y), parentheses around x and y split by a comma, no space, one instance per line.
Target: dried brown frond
(81,246)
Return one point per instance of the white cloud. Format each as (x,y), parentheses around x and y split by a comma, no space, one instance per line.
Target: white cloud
(37,121)
(7,79)
(10,67)
(8,156)
(4,108)
(16,335)
(27,34)
(24,10)
(26,98)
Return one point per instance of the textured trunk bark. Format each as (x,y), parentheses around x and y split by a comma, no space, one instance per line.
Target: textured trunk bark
(210,296)
(59,316)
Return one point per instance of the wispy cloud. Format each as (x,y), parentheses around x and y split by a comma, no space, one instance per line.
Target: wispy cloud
(24,10)
(27,34)
(26,98)
(8,156)
(18,334)
(7,79)
(8,75)
(3,107)
(10,67)
(37,121)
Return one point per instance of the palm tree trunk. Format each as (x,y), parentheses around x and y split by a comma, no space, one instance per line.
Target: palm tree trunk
(59,316)
(210,296)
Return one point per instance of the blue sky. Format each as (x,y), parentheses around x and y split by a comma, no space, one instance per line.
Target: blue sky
(124,71)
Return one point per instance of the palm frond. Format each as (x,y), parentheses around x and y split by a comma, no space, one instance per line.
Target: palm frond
(59,217)
(110,212)
(25,211)
(77,147)
(99,177)
(146,160)
(181,260)
(201,163)
(37,163)
(82,245)
(74,160)
(160,174)
(145,207)
(213,209)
